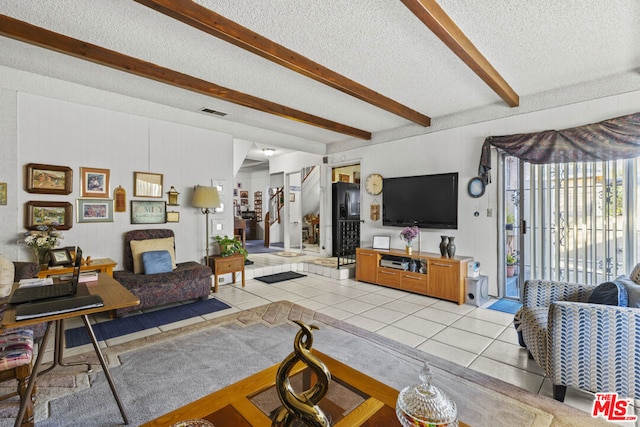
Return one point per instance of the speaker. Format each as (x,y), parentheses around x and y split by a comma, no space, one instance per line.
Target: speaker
(477,290)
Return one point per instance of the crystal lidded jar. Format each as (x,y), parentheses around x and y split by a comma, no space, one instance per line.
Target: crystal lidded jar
(425,404)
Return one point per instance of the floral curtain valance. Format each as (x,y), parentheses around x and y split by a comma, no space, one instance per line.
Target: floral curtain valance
(617,138)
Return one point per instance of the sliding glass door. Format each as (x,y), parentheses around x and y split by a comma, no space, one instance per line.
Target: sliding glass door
(571,222)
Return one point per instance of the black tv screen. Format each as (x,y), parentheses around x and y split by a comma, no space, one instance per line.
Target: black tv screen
(428,201)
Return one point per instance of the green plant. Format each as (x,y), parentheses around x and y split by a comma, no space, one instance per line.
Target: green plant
(230,246)
(511,219)
(512,259)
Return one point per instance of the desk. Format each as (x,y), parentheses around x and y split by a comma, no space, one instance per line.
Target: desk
(114,296)
(226,264)
(240,230)
(102,265)
(237,405)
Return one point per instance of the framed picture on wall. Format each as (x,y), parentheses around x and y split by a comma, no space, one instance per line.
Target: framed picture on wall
(147,212)
(147,184)
(3,193)
(244,194)
(94,210)
(48,179)
(53,214)
(94,182)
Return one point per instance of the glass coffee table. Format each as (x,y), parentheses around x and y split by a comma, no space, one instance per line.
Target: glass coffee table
(354,399)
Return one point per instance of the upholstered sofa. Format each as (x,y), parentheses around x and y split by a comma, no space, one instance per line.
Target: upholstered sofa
(581,341)
(184,281)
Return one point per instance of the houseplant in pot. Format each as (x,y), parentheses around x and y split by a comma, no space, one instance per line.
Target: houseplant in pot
(230,246)
(512,263)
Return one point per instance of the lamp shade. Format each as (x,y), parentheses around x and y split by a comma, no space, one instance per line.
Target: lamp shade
(206,197)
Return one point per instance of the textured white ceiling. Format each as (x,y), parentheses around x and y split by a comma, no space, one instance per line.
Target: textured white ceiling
(549,51)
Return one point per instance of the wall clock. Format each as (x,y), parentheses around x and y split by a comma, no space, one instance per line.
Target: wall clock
(476,187)
(373,184)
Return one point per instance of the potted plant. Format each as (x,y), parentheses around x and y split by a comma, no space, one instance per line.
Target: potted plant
(510,221)
(512,262)
(230,246)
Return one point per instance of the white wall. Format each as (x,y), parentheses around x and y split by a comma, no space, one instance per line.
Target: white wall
(458,150)
(63,133)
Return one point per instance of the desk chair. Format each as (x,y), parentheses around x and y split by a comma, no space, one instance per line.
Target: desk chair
(16,354)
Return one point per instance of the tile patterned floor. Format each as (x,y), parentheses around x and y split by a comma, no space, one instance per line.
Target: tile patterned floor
(478,338)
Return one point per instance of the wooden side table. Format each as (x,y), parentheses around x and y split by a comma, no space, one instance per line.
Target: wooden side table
(102,265)
(226,264)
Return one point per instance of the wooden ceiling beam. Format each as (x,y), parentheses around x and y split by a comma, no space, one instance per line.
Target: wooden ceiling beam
(434,17)
(206,20)
(25,32)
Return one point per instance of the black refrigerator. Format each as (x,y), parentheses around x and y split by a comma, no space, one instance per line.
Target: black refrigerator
(345,218)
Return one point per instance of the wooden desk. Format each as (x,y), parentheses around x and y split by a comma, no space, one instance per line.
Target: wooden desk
(102,265)
(234,406)
(113,295)
(224,265)
(240,230)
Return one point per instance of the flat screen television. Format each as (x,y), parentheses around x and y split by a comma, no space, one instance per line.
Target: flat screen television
(428,201)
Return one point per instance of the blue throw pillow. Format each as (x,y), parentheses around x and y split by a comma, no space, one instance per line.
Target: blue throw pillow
(155,262)
(633,291)
(610,293)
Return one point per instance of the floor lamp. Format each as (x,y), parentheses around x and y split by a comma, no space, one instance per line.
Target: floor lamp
(207,199)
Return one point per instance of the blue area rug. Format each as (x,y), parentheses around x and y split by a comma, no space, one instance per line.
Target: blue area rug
(257,247)
(135,323)
(506,306)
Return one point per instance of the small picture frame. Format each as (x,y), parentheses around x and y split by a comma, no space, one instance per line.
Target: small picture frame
(60,256)
(94,182)
(381,242)
(48,179)
(94,210)
(148,212)
(343,177)
(173,216)
(3,193)
(54,214)
(244,194)
(292,197)
(146,184)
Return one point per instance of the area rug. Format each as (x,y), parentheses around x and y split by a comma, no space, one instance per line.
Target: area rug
(135,323)
(326,262)
(280,277)
(287,254)
(258,247)
(160,373)
(506,306)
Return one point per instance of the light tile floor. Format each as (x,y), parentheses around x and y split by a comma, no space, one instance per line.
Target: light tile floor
(475,337)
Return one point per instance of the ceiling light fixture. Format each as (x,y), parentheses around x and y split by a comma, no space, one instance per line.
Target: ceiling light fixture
(268,151)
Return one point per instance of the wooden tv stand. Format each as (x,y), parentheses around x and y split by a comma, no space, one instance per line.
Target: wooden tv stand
(439,277)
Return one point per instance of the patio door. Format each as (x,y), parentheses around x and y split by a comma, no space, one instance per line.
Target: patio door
(569,222)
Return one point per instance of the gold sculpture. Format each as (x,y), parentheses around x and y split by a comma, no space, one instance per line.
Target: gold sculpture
(302,406)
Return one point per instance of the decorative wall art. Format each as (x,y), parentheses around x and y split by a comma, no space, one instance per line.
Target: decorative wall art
(173,216)
(3,193)
(54,214)
(94,210)
(48,179)
(94,182)
(147,212)
(244,194)
(120,199)
(147,184)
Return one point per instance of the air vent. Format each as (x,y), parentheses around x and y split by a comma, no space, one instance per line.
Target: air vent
(210,111)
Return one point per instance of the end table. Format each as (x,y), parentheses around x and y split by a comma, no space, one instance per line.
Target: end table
(226,264)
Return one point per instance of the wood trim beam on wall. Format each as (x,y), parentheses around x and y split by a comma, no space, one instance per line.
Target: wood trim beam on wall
(28,33)
(434,17)
(217,25)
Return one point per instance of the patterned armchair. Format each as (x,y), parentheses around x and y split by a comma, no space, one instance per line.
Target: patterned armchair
(189,280)
(592,347)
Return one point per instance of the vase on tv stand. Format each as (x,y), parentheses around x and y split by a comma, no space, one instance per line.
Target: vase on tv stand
(451,247)
(443,246)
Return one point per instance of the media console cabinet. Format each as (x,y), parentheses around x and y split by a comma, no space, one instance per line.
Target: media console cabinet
(435,276)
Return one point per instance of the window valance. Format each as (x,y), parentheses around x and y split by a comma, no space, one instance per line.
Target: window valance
(617,138)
